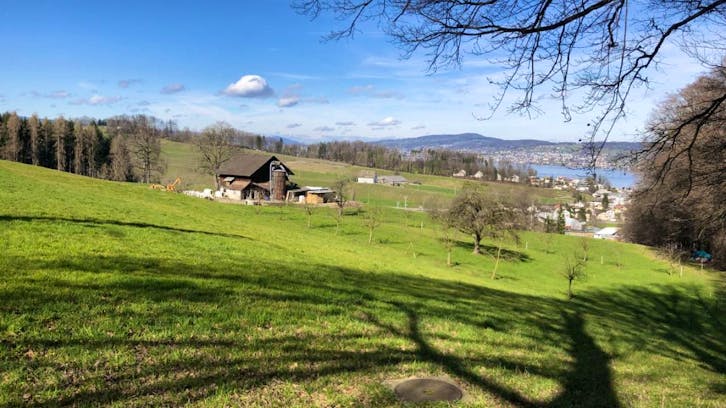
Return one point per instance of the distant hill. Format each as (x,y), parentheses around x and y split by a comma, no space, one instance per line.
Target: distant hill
(463,141)
(477,142)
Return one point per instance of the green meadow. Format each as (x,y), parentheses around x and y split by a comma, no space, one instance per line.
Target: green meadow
(118,295)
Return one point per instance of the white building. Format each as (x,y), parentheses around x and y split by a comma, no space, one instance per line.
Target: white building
(607,233)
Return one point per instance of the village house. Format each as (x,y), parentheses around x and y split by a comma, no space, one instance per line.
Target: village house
(248,176)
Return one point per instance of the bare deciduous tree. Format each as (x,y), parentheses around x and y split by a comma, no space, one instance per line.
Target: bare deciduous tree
(602,49)
(372,219)
(145,145)
(12,147)
(35,139)
(215,148)
(682,187)
(341,196)
(573,269)
(59,138)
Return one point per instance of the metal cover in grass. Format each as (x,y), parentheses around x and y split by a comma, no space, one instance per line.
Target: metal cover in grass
(427,389)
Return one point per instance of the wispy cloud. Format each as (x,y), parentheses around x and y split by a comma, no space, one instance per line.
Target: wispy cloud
(372,92)
(51,95)
(173,88)
(288,101)
(360,89)
(324,129)
(294,76)
(96,100)
(249,86)
(126,83)
(293,125)
(345,123)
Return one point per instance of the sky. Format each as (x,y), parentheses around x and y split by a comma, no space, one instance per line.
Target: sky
(263,68)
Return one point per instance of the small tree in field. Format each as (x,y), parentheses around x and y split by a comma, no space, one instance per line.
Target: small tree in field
(309,210)
(673,253)
(574,269)
(372,219)
(585,247)
(341,196)
(446,231)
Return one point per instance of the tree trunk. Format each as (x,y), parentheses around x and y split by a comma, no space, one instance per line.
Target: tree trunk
(496,262)
(477,239)
(569,289)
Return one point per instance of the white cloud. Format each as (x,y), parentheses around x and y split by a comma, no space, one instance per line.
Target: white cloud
(388,121)
(288,101)
(97,100)
(173,88)
(249,86)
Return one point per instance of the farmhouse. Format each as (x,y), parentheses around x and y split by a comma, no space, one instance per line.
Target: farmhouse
(249,176)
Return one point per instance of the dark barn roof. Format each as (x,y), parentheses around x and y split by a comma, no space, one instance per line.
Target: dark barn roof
(247,164)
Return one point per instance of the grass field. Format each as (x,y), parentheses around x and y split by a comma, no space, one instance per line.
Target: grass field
(115,294)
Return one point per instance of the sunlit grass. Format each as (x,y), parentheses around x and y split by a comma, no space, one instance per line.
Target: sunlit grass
(114,294)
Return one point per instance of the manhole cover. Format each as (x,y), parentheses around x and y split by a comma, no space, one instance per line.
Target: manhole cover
(427,389)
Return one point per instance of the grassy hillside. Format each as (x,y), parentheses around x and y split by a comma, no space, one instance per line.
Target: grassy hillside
(181,161)
(115,294)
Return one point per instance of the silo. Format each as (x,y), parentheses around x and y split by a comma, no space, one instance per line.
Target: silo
(279,182)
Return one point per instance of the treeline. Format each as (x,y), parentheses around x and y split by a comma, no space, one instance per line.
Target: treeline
(124,148)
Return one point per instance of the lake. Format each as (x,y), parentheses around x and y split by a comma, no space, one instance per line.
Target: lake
(618,178)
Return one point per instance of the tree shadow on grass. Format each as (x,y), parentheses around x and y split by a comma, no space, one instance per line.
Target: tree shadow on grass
(232,348)
(491,250)
(104,222)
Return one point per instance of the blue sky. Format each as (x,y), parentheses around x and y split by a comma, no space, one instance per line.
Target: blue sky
(262,68)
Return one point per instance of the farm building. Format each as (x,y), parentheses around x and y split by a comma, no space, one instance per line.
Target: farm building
(249,176)
(311,195)
(367,177)
(393,180)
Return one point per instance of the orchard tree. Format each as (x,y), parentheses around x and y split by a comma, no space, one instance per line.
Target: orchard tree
(573,269)
(589,54)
